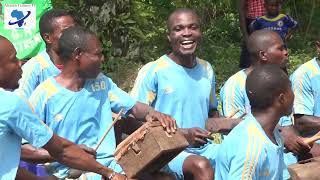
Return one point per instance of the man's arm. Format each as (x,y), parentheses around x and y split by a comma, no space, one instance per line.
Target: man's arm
(307,124)
(143,111)
(71,155)
(23,174)
(242,8)
(34,155)
(292,141)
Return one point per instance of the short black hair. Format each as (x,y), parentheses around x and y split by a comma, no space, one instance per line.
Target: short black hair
(259,40)
(264,84)
(46,20)
(178,11)
(71,39)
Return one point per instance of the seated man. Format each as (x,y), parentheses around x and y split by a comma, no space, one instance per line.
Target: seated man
(183,86)
(254,148)
(265,47)
(77,104)
(306,108)
(18,121)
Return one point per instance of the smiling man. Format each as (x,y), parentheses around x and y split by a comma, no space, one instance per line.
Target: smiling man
(183,86)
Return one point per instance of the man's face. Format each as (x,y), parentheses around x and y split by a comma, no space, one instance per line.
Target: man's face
(273,8)
(91,59)
(277,52)
(59,24)
(10,70)
(184,33)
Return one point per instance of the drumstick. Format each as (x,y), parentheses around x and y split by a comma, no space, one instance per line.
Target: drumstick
(117,117)
(312,139)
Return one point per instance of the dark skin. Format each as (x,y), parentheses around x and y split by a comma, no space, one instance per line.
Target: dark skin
(51,39)
(273,9)
(309,124)
(86,64)
(30,153)
(273,52)
(59,148)
(184,36)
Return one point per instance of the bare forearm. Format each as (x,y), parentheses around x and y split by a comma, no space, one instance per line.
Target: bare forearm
(23,174)
(34,155)
(73,156)
(140,110)
(307,124)
(221,125)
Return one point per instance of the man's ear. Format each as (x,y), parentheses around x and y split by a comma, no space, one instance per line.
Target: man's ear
(281,98)
(262,55)
(77,53)
(169,39)
(46,38)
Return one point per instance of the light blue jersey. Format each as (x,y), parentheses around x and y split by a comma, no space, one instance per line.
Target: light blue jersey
(186,94)
(35,71)
(233,96)
(306,88)
(82,117)
(17,121)
(248,153)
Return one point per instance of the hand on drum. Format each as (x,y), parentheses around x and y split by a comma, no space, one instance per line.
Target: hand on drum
(166,121)
(196,136)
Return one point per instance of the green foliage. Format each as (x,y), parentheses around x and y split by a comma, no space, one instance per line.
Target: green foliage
(133,32)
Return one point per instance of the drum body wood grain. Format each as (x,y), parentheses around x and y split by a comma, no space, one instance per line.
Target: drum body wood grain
(148,149)
(305,170)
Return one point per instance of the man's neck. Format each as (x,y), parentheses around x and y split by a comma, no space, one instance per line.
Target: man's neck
(188,61)
(71,80)
(53,56)
(268,119)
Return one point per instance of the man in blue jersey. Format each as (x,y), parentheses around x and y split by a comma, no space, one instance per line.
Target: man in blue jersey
(306,108)
(265,47)
(18,121)
(47,62)
(283,24)
(254,148)
(183,86)
(41,67)
(77,104)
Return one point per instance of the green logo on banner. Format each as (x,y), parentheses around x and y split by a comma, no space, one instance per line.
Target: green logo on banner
(19,22)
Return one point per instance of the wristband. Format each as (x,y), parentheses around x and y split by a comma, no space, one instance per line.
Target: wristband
(112,175)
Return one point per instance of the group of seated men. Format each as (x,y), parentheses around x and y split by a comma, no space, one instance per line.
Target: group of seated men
(66,89)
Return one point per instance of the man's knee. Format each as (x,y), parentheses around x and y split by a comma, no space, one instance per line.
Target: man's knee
(198,166)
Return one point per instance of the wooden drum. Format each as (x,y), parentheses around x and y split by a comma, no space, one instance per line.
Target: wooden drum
(148,149)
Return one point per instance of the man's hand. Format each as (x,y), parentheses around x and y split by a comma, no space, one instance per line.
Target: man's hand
(221,124)
(196,137)
(293,142)
(166,121)
(88,150)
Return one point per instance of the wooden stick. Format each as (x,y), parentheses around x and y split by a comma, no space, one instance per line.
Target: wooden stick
(75,173)
(117,117)
(312,139)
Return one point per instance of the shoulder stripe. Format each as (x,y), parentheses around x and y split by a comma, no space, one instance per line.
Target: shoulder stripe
(47,88)
(42,61)
(255,141)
